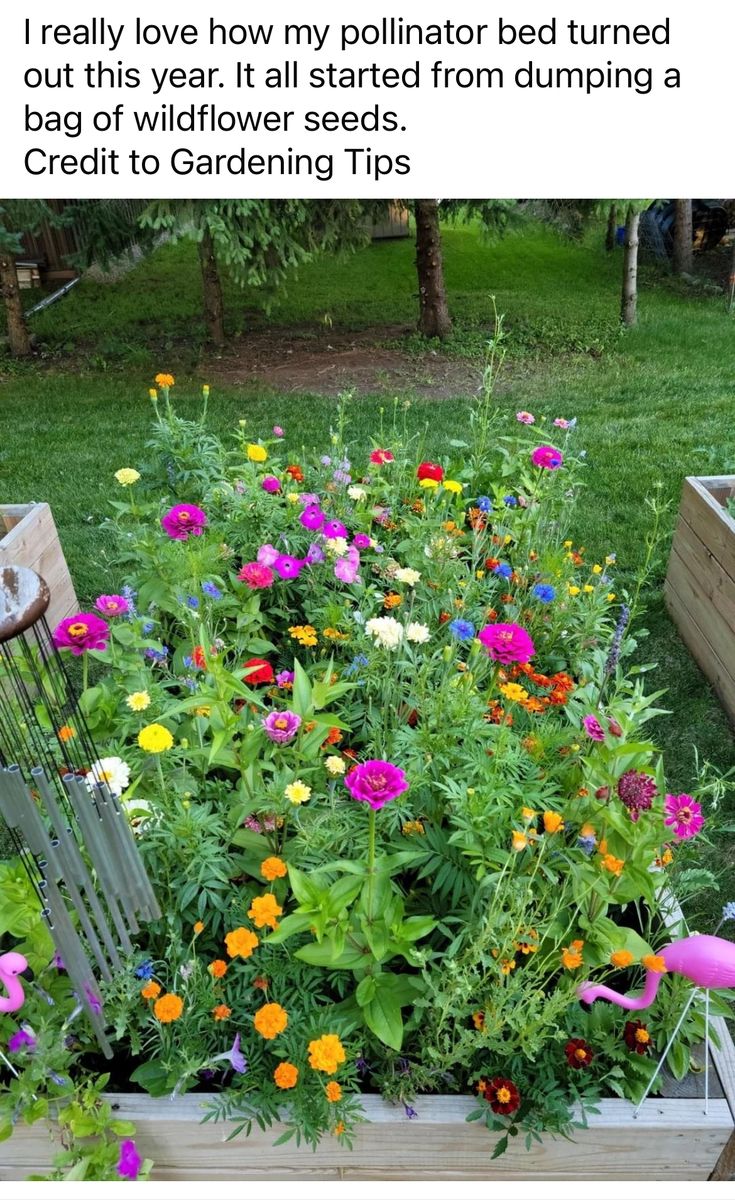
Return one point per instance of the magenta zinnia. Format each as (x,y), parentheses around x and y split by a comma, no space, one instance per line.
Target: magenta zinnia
(376,782)
(282,726)
(547,457)
(85,631)
(183,520)
(593,728)
(255,575)
(636,790)
(112,606)
(684,814)
(507,643)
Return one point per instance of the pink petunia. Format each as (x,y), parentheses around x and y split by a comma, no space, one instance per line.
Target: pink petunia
(288,567)
(271,484)
(267,555)
(684,814)
(184,520)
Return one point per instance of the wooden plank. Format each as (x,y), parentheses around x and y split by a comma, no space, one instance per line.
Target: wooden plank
(32,540)
(686,615)
(710,521)
(710,579)
(672,1139)
(712,615)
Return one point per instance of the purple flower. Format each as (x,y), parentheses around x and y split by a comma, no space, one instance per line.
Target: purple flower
(277,431)
(684,814)
(130,1162)
(376,782)
(309,499)
(84,631)
(282,727)
(334,529)
(593,728)
(234,1057)
(182,520)
(325,460)
(271,484)
(112,606)
(312,518)
(410,1111)
(267,555)
(362,541)
(314,554)
(342,477)
(284,678)
(22,1039)
(58,962)
(287,567)
(93,1000)
(636,790)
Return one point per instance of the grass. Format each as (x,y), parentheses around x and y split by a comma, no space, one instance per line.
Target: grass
(653,404)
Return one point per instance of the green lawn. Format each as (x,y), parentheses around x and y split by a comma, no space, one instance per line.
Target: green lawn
(653,404)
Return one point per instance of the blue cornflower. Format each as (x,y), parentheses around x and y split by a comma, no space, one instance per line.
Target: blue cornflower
(145,970)
(157,656)
(192,602)
(190,683)
(587,844)
(211,590)
(511,501)
(503,569)
(544,592)
(360,660)
(462,630)
(188,662)
(147,628)
(484,503)
(130,596)
(728,911)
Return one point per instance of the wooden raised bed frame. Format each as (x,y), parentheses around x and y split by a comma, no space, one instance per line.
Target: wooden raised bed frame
(28,538)
(700,583)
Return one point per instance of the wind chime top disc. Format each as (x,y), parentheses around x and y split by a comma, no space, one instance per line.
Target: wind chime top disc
(24,598)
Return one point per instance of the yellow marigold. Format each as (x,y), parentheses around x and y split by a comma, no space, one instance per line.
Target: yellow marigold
(392,600)
(270,1020)
(326,1053)
(297,792)
(138,701)
(334,635)
(429,483)
(286,1075)
(127,476)
(453,485)
(507,965)
(519,840)
(168,1008)
(333,1092)
(265,910)
(198,927)
(621,958)
(305,635)
(151,991)
(273,868)
(573,589)
(241,942)
(218,968)
(154,739)
(514,691)
(221,1012)
(553,822)
(66,733)
(164,381)
(571,956)
(203,710)
(409,828)
(654,962)
(256,453)
(612,864)
(528,814)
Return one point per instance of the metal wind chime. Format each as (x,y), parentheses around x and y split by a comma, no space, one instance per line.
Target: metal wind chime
(70,831)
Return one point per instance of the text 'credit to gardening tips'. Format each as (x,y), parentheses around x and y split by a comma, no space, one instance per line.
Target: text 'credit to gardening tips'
(298,101)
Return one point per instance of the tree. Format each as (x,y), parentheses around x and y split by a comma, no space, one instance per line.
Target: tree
(16,218)
(682,258)
(629,299)
(612,228)
(434,318)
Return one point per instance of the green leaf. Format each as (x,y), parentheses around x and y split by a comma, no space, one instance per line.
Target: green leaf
(293,923)
(326,954)
(365,991)
(152,1077)
(301,698)
(383,1013)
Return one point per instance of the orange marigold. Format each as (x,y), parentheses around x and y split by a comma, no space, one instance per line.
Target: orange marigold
(66,733)
(478,1020)
(151,991)
(221,1012)
(392,600)
(286,1075)
(168,1008)
(553,822)
(265,910)
(198,927)
(621,958)
(339,1129)
(612,864)
(326,1053)
(241,941)
(218,968)
(571,956)
(270,1020)
(333,1092)
(654,962)
(273,868)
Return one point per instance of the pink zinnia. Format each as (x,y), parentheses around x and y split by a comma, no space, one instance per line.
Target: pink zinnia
(547,457)
(85,631)
(561,423)
(684,814)
(526,418)
(271,484)
(255,575)
(282,727)
(112,606)
(380,457)
(182,520)
(593,728)
(636,790)
(376,782)
(507,643)
(277,431)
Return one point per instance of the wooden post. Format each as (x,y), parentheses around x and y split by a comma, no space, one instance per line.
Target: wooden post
(18,335)
(683,237)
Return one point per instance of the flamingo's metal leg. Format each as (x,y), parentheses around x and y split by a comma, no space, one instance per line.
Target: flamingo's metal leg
(664,1056)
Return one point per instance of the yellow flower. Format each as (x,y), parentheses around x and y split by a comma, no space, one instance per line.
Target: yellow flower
(528,814)
(198,928)
(335,765)
(273,868)
(610,597)
(568,545)
(588,587)
(479,574)
(333,1092)
(203,710)
(205,390)
(270,1020)
(168,1008)
(573,589)
(256,453)
(326,1053)
(452,485)
(520,841)
(507,965)
(305,635)
(409,828)
(428,483)
(588,831)
(240,942)
(334,635)
(154,739)
(297,792)
(138,701)
(621,958)
(265,910)
(514,691)
(553,822)
(292,497)
(153,394)
(127,476)
(165,381)
(286,1075)
(654,962)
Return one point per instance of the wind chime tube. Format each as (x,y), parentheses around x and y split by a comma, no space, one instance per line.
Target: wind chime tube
(75,962)
(124,885)
(89,823)
(76,873)
(146,903)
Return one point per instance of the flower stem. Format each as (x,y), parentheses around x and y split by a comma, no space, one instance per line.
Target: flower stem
(371,864)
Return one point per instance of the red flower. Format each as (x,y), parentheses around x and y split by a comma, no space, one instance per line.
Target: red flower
(637,1037)
(197,656)
(295,472)
(579,1053)
(430,470)
(381,457)
(263,674)
(501,1094)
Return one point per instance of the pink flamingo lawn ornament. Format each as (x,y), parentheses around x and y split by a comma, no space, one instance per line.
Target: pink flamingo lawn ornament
(707,960)
(11,966)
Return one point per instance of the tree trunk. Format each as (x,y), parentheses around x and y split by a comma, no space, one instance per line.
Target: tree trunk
(628,310)
(18,336)
(434,318)
(732,279)
(214,309)
(612,226)
(683,237)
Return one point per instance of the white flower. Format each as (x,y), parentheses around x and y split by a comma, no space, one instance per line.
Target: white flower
(415,632)
(356,493)
(408,575)
(385,631)
(337,546)
(335,765)
(112,771)
(139,813)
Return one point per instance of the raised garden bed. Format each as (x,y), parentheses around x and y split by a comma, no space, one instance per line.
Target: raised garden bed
(700,583)
(31,540)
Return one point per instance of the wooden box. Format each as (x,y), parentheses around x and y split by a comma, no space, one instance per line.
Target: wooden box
(31,540)
(700,583)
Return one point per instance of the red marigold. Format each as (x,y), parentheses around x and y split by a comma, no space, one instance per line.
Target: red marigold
(579,1053)
(637,1037)
(430,470)
(502,1095)
(295,472)
(262,674)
